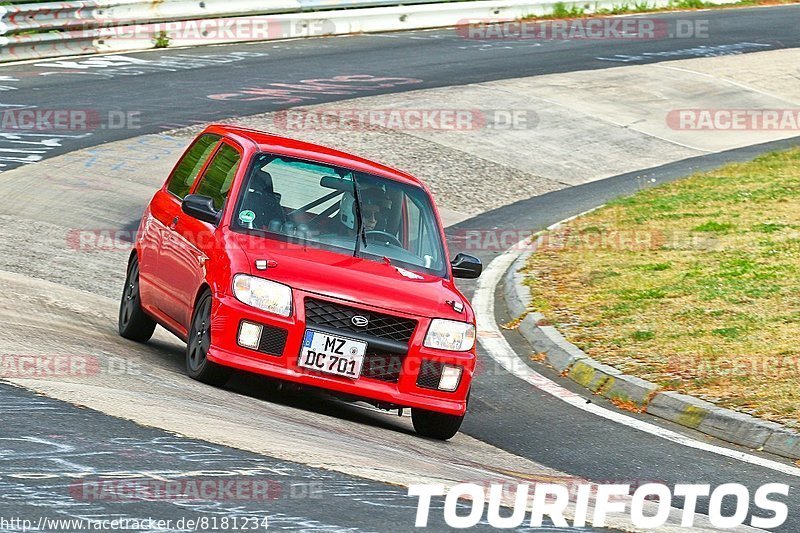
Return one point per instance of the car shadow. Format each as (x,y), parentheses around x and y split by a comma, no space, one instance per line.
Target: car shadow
(312,400)
(172,357)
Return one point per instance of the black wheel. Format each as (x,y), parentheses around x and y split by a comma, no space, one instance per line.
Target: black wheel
(134,324)
(197,364)
(435,425)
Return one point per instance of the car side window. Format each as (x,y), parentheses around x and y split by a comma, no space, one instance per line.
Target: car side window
(419,230)
(190,165)
(217,180)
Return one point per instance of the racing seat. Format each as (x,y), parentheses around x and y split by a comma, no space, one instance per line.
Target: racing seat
(262,200)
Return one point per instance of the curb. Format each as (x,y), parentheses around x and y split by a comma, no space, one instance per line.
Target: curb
(572,362)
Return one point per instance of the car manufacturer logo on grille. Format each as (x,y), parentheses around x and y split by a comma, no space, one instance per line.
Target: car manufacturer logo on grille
(359,321)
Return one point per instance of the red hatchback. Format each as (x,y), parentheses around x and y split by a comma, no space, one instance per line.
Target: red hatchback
(309,265)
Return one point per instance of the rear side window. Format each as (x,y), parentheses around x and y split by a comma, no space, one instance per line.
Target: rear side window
(190,165)
(217,180)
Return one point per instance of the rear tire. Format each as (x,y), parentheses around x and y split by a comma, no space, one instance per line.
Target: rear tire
(197,364)
(435,425)
(134,324)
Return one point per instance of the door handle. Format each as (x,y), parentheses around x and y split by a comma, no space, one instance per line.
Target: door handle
(174,223)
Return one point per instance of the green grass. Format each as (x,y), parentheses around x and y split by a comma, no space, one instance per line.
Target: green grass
(713,282)
(560,10)
(692,4)
(643,335)
(769,227)
(731,333)
(161,40)
(654,267)
(712,226)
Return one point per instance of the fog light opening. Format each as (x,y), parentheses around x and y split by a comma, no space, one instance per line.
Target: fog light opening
(249,335)
(451,377)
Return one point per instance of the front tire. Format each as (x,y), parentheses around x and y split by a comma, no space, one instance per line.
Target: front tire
(435,425)
(134,324)
(197,364)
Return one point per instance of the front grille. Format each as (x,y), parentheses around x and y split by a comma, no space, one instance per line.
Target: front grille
(430,372)
(382,366)
(273,340)
(337,316)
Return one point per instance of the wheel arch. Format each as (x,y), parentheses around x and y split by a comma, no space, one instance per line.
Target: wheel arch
(201,290)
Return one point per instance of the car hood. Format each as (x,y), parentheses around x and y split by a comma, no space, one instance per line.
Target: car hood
(373,283)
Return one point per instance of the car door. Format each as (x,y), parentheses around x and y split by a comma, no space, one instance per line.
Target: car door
(156,244)
(191,239)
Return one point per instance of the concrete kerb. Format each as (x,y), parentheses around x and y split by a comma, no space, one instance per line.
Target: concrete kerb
(607,381)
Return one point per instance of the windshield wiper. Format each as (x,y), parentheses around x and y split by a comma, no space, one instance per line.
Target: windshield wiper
(360,233)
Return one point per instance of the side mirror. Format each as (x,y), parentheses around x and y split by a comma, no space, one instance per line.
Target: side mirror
(466,266)
(200,207)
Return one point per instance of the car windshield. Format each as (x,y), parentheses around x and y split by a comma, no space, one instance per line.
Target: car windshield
(341,210)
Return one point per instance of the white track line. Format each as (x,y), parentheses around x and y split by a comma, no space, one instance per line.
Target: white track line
(497,347)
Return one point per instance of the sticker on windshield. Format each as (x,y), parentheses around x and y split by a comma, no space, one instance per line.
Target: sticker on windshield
(408,273)
(247,216)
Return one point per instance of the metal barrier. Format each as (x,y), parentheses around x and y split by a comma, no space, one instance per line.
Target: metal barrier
(42,30)
(87,14)
(52,29)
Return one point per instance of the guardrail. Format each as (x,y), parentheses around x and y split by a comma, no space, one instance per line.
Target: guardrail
(87,14)
(42,30)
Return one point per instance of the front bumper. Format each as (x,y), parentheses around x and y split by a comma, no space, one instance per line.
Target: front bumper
(228,313)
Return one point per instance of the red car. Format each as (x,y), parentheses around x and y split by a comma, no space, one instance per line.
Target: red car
(309,265)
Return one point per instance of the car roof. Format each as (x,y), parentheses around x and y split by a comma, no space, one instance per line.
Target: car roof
(287,146)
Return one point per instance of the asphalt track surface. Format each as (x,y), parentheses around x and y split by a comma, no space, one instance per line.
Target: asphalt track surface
(47,474)
(505,412)
(172,88)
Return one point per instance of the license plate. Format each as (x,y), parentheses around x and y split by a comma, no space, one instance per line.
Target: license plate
(332,354)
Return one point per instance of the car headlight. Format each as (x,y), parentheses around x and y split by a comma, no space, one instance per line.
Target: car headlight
(450,335)
(263,294)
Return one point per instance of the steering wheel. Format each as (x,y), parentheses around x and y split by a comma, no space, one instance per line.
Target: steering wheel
(378,234)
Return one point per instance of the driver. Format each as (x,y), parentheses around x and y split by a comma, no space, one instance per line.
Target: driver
(375,206)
